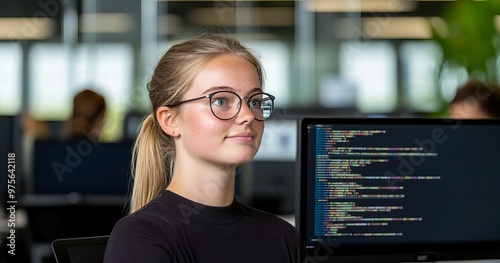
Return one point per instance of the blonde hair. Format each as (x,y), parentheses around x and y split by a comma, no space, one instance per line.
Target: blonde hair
(154,151)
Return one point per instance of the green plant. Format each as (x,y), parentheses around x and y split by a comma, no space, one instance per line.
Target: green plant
(470,40)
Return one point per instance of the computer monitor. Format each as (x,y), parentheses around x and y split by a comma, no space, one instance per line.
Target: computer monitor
(83,167)
(399,190)
(132,123)
(73,182)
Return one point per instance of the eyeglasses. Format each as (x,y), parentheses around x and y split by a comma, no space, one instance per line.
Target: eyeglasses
(225,105)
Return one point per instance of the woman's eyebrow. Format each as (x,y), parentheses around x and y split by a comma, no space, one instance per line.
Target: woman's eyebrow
(227,88)
(218,88)
(255,90)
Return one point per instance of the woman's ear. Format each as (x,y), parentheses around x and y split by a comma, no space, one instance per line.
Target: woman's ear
(167,118)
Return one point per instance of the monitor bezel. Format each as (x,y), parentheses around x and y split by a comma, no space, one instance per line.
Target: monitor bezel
(387,252)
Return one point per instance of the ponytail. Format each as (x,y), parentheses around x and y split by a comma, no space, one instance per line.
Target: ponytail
(152,163)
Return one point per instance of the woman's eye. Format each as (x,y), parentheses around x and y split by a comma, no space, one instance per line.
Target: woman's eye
(220,101)
(254,104)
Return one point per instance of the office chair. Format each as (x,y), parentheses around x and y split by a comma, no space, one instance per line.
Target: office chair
(80,250)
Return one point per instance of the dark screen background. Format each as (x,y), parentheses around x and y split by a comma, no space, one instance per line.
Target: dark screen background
(462,206)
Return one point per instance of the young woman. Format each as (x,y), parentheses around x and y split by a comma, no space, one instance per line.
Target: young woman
(207,119)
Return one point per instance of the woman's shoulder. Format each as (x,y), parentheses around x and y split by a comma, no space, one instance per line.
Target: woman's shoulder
(144,232)
(153,217)
(265,217)
(139,221)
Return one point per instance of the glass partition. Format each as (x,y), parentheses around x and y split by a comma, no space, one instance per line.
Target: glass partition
(10,78)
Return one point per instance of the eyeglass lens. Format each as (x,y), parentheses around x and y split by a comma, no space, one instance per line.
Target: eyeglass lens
(226,105)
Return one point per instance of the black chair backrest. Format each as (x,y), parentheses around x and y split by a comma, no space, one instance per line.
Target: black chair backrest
(80,250)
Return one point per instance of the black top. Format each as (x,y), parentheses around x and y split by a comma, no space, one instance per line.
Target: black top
(172,228)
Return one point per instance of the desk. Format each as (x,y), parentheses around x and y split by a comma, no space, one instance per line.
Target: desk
(52,217)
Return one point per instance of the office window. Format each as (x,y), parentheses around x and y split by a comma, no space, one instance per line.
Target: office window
(58,72)
(10,78)
(451,77)
(275,61)
(148,63)
(420,65)
(49,82)
(107,68)
(371,67)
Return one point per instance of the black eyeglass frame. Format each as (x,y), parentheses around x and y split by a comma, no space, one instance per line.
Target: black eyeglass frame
(210,95)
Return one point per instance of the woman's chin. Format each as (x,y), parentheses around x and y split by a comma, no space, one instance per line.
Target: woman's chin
(243,159)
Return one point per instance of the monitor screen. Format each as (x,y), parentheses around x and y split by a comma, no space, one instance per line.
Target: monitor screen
(85,167)
(132,124)
(402,189)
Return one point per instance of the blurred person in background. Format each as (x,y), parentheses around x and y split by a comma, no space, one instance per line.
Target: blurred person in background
(476,100)
(87,118)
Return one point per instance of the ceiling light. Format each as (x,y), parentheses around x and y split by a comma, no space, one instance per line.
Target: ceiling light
(27,28)
(361,6)
(264,16)
(169,24)
(111,23)
(386,28)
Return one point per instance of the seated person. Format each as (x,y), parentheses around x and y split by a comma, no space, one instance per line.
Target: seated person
(87,118)
(33,128)
(475,100)
(207,119)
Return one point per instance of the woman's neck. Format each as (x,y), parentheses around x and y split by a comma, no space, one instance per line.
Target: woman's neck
(208,186)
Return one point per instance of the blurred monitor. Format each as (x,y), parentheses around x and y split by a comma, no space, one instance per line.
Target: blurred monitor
(84,166)
(71,183)
(132,123)
(56,128)
(279,141)
(271,187)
